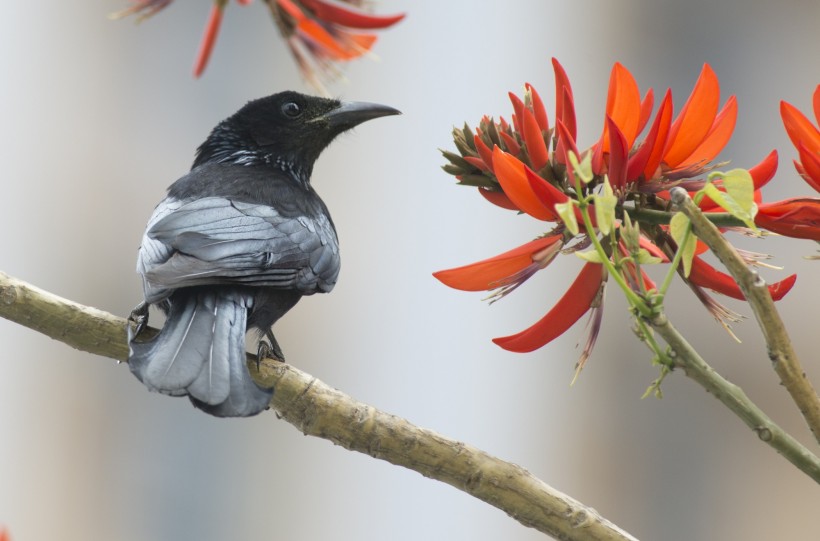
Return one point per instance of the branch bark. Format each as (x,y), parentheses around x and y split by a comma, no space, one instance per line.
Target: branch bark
(781,352)
(319,410)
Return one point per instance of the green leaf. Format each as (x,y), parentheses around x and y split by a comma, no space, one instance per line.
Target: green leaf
(592,256)
(738,199)
(567,213)
(645,258)
(740,185)
(681,230)
(605,208)
(582,169)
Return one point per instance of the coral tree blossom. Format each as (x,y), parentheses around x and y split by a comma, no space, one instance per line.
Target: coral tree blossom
(319,33)
(523,164)
(798,217)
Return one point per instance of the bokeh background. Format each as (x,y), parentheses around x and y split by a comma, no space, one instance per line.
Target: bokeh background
(99,117)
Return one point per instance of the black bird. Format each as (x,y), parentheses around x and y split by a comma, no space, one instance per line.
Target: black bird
(234,245)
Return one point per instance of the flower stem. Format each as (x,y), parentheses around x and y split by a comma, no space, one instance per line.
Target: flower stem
(673,267)
(633,298)
(781,352)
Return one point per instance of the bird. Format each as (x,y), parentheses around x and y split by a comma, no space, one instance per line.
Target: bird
(234,245)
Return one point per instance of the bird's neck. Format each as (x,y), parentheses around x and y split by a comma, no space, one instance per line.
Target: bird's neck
(224,145)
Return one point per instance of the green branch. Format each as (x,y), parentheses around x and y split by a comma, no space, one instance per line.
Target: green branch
(735,399)
(781,352)
(661,217)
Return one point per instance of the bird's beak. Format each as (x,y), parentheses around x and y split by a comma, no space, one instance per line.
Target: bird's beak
(353,113)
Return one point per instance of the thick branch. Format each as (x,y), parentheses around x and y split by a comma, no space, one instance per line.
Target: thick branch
(318,410)
(781,352)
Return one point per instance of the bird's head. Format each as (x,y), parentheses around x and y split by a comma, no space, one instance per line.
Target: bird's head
(287,130)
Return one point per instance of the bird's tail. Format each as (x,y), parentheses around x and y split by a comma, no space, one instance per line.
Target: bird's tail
(200,352)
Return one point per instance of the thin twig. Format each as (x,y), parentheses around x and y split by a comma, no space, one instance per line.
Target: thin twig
(781,352)
(319,410)
(735,399)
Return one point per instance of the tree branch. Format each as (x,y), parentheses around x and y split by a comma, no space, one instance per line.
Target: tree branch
(319,410)
(781,352)
(735,399)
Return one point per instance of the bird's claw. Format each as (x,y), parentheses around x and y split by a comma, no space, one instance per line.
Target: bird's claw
(139,317)
(269,350)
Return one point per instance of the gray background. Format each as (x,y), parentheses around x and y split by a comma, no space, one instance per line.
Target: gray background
(99,117)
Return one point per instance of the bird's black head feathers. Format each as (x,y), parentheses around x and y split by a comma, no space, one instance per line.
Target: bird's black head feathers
(287,131)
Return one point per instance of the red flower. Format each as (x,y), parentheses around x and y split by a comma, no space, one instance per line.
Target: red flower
(522,165)
(806,139)
(507,270)
(799,218)
(575,303)
(318,32)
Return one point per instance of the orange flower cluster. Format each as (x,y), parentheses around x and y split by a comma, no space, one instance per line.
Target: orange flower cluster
(318,32)
(524,165)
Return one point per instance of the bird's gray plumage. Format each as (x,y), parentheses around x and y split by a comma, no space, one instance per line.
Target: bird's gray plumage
(190,246)
(235,244)
(216,240)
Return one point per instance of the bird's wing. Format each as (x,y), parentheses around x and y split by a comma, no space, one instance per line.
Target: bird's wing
(215,240)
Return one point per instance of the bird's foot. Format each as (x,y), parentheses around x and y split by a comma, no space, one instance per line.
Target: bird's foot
(269,349)
(139,317)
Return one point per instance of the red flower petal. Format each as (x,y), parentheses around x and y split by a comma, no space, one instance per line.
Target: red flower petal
(340,45)
(619,152)
(695,119)
(551,196)
(534,139)
(512,145)
(484,275)
(478,163)
(799,128)
(208,39)
(623,105)
(816,104)
(646,110)
(338,13)
(564,102)
(658,136)
(538,108)
(569,309)
(546,192)
(568,116)
(292,9)
(717,137)
(811,166)
(763,172)
(498,199)
(798,217)
(653,249)
(518,107)
(483,151)
(705,275)
(566,143)
(510,173)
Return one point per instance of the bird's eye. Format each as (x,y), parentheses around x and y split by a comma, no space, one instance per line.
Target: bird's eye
(291,109)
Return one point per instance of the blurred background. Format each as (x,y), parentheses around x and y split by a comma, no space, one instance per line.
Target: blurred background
(100,116)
